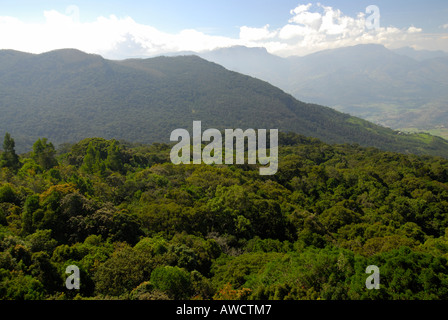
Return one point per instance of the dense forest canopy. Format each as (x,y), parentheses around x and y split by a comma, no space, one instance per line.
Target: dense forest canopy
(139,227)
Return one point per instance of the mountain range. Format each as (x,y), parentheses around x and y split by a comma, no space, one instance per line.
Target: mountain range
(402,89)
(68,95)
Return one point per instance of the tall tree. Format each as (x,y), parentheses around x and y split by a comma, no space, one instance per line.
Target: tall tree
(113,160)
(44,154)
(92,162)
(9,158)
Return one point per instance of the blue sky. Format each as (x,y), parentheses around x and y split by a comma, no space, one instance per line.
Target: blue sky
(140,26)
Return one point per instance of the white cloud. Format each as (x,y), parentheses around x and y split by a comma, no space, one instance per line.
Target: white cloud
(104,36)
(311,28)
(291,31)
(301,8)
(61,31)
(333,23)
(316,27)
(413,29)
(256,34)
(311,19)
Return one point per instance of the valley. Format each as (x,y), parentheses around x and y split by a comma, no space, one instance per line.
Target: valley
(401,88)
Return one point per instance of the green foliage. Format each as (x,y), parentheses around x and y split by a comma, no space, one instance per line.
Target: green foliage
(18,286)
(122,272)
(8,194)
(172,280)
(92,160)
(9,158)
(139,227)
(44,154)
(113,160)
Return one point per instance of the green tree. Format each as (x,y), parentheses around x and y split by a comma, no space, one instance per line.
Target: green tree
(43,270)
(93,162)
(124,271)
(174,281)
(19,286)
(44,154)
(41,240)
(9,158)
(8,194)
(30,207)
(113,161)
(337,217)
(90,159)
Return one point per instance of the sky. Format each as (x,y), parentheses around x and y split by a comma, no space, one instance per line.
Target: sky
(125,29)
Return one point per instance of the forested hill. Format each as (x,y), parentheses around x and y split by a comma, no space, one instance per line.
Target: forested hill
(140,228)
(67,95)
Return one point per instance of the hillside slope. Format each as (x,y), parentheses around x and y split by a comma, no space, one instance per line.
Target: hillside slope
(67,95)
(399,89)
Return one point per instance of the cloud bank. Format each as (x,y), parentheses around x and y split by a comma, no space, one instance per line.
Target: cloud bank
(310,28)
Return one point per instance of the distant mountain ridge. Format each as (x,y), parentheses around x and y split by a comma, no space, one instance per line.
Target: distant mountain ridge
(67,95)
(421,55)
(402,88)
